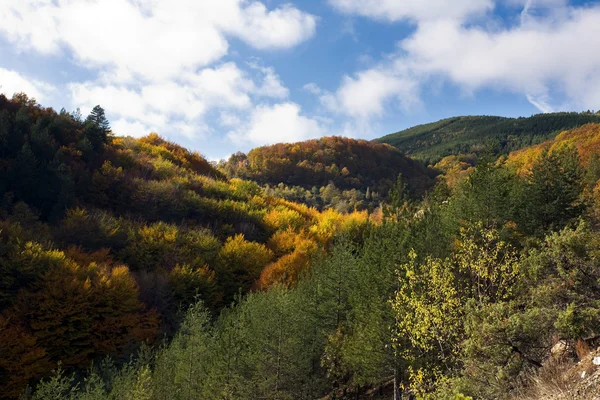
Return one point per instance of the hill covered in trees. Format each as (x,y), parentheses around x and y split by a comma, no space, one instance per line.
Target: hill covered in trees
(334,172)
(143,272)
(104,239)
(482,134)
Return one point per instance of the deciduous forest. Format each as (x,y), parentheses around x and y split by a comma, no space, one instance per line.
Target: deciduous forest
(332,268)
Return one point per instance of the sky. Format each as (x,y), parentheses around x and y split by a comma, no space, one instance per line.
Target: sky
(221,76)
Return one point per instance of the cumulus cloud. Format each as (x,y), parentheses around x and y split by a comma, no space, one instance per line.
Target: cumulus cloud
(12,82)
(364,95)
(157,39)
(157,62)
(277,123)
(163,105)
(549,54)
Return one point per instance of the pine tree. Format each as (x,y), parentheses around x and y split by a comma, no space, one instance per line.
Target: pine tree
(98,118)
(97,128)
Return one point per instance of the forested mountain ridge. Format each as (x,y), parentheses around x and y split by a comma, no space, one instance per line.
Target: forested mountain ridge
(482,134)
(348,163)
(133,269)
(337,172)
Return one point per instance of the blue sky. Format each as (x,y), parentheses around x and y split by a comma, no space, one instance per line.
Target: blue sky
(221,76)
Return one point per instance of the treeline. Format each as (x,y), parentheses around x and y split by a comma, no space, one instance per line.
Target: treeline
(329,197)
(459,296)
(483,135)
(346,163)
(103,239)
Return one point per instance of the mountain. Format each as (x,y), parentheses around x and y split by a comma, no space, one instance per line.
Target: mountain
(482,134)
(135,269)
(347,163)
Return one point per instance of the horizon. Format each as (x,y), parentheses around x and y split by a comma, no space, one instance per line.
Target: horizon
(227,76)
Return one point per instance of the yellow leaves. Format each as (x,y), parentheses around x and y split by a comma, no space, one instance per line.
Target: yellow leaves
(238,253)
(491,264)
(188,282)
(309,213)
(331,223)
(455,169)
(164,169)
(328,224)
(283,218)
(159,232)
(354,222)
(427,304)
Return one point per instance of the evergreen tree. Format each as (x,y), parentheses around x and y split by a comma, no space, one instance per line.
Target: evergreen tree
(552,197)
(97,128)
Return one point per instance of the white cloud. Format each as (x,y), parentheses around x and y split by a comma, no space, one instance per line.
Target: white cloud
(275,124)
(395,10)
(156,39)
(12,82)
(365,95)
(549,55)
(156,64)
(136,129)
(229,120)
(313,88)
(271,85)
(179,106)
(280,28)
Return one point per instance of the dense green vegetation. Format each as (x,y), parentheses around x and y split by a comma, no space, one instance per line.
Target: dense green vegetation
(482,135)
(154,276)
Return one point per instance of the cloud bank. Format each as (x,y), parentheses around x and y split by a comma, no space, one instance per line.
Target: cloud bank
(548,53)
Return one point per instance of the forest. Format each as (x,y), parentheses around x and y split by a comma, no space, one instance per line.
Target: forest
(483,135)
(135,269)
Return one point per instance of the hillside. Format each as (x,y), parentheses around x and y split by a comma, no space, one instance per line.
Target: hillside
(134,269)
(347,163)
(482,134)
(586,139)
(103,239)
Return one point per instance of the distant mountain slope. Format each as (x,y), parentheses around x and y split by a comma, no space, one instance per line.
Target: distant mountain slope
(477,134)
(586,139)
(348,163)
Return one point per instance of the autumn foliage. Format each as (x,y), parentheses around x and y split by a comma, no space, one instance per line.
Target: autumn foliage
(347,163)
(104,239)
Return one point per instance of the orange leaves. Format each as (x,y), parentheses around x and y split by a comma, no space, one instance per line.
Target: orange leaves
(287,269)
(455,169)
(585,138)
(296,247)
(348,163)
(332,223)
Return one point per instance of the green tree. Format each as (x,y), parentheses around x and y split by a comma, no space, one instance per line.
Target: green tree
(97,128)
(552,197)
